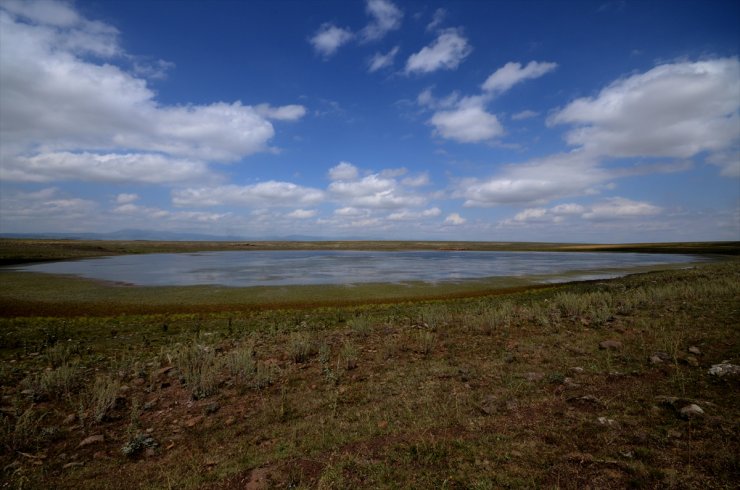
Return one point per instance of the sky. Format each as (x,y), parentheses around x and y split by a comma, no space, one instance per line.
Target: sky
(554,121)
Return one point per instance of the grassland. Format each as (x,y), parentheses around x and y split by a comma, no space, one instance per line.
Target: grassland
(502,389)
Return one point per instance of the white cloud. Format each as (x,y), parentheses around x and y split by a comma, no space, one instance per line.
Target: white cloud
(302,213)
(439,16)
(291,112)
(620,208)
(526,114)
(48,80)
(673,110)
(512,73)
(727,161)
(446,52)
(126,198)
(467,124)
(607,210)
(47,209)
(343,171)
(455,219)
(264,194)
(380,60)
(92,167)
(374,191)
(386,17)
(419,180)
(537,181)
(329,38)
(406,215)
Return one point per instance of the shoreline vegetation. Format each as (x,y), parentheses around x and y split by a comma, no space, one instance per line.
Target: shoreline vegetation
(603,384)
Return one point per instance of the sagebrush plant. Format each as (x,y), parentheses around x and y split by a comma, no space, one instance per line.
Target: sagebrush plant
(197,364)
(361,326)
(301,347)
(103,394)
(427,342)
(56,383)
(349,355)
(60,353)
(241,365)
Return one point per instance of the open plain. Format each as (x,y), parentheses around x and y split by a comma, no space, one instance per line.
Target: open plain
(602,384)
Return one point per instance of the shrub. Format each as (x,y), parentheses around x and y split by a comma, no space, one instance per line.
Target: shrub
(103,394)
(197,364)
(300,347)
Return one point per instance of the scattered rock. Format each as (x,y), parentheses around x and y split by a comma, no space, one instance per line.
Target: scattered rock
(383,424)
(139,381)
(577,370)
(95,439)
(533,376)
(100,455)
(607,422)
(230,421)
(692,361)
(694,350)
(654,359)
(164,370)
(72,465)
(610,345)
(690,411)
(724,369)
(70,419)
(192,422)
(569,384)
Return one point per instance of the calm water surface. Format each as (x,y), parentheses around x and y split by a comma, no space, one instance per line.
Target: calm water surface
(282,268)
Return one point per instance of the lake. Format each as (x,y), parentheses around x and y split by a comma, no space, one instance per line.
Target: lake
(285,268)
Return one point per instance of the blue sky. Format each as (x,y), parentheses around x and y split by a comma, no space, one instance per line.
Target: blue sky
(500,120)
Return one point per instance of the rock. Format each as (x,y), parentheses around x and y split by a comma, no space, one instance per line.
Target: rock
(690,411)
(655,359)
(694,350)
(569,384)
(533,376)
(192,422)
(383,424)
(610,345)
(230,421)
(70,419)
(692,361)
(164,370)
(724,369)
(607,422)
(577,369)
(95,439)
(72,465)
(100,455)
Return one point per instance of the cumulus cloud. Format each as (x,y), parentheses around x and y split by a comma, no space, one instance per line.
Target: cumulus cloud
(126,198)
(454,219)
(385,16)
(329,38)
(437,18)
(380,60)
(95,167)
(607,210)
(263,194)
(58,67)
(48,209)
(302,213)
(513,73)
(467,124)
(526,114)
(343,171)
(445,53)
(406,215)
(373,191)
(673,110)
(537,181)
(291,112)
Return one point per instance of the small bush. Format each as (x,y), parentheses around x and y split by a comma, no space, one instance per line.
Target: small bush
(349,356)
(360,326)
(427,342)
(301,347)
(197,364)
(103,396)
(241,365)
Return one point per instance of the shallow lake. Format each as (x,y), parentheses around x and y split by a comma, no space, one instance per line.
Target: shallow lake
(283,268)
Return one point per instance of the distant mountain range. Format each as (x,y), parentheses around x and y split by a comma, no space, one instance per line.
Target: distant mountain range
(152,235)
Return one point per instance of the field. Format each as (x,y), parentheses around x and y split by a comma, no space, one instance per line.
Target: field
(601,384)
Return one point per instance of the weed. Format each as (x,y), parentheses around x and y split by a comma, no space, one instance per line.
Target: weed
(240,364)
(102,396)
(300,347)
(427,342)
(349,356)
(361,326)
(197,363)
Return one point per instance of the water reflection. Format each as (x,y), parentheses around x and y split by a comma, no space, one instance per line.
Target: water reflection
(281,268)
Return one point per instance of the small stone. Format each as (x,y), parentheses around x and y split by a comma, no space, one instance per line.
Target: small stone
(577,370)
(694,350)
(656,360)
(724,369)
(72,465)
(383,424)
(606,421)
(230,421)
(534,376)
(692,361)
(139,381)
(70,419)
(95,439)
(610,345)
(692,410)
(164,370)
(192,422)
(100,455)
